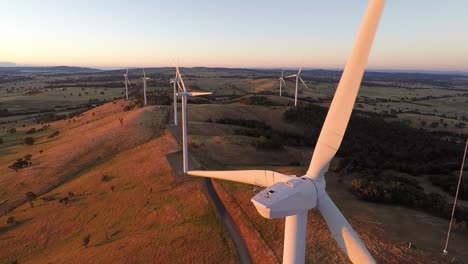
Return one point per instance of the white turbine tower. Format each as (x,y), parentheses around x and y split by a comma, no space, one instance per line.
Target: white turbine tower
(290,196)
(175,81)
(184,94)
(126,84)
(281,82)
(298,77)
(144,87)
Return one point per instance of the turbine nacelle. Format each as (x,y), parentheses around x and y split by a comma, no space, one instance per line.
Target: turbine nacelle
(286,198)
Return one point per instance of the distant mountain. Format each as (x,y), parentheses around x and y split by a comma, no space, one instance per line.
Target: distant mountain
(48,70)
(7,64)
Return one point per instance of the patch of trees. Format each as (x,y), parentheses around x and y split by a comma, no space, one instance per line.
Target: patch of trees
(49,117)
(250,123)
(406,192)
(372,143)
(54,134)
(29,141)
(198,100)
(21,163)
(266,144)
(266,137)
(449,182)
(31,131)
(256,100)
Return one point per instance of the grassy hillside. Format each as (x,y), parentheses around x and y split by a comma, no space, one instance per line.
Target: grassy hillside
(122,198)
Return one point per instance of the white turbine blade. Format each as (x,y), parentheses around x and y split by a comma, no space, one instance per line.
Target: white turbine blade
(342,232)
(282,73)
(181,80)
(199,93)
(144,74)
(303,82)
(283,82)
(290,76)
(299,72)
(262,178)
(180,88)
(127,72)
(341,107)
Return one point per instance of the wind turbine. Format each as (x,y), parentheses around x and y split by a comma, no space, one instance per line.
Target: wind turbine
(184,94)
(281,81)
(144,87)
(298,77)
(175,81)
(292,197)
(126,83)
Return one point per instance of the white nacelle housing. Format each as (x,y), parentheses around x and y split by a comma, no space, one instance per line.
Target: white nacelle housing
(286,198)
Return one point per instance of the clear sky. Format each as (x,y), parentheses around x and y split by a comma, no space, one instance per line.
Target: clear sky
(413,34)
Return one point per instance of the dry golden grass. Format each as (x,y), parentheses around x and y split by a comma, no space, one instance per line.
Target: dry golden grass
(137,214)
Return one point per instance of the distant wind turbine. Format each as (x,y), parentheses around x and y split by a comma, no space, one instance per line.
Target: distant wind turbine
(126,84)
(292,197)
(184,94)
(144,87)
(281,82)
(175,81)
(298,77)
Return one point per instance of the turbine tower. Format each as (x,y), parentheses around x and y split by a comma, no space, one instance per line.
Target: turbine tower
(292,197)
(144,87)
(175,81)
(184,94)
(298,77)
(281,82)
(126,83)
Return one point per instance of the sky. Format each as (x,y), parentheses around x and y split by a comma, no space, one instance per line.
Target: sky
(413,34)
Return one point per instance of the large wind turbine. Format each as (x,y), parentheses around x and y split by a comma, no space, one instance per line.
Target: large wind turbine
(292,197)
(175,81)
(281,82)
(298,77)
(184,94)
(144,87)
(126,83)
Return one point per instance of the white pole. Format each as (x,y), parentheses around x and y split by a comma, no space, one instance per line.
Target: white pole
(295,96)
(456,197)
(184,134)
(175,102)
(295,229)
(280,86)
(126,88)
(144,90)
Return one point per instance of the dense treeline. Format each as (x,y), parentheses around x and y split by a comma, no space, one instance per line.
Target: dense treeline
(372,143)
(406,192)
(449,184)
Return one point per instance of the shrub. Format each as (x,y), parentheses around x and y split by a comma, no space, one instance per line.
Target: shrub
(11,220)
(31,131)
(54,134)
(28,157)
(266,144)
(1,140)
(86,241)
(30,197)
(256,100)
(19,164)
(29,141)
(250,123)
(12,131)
(106,178)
